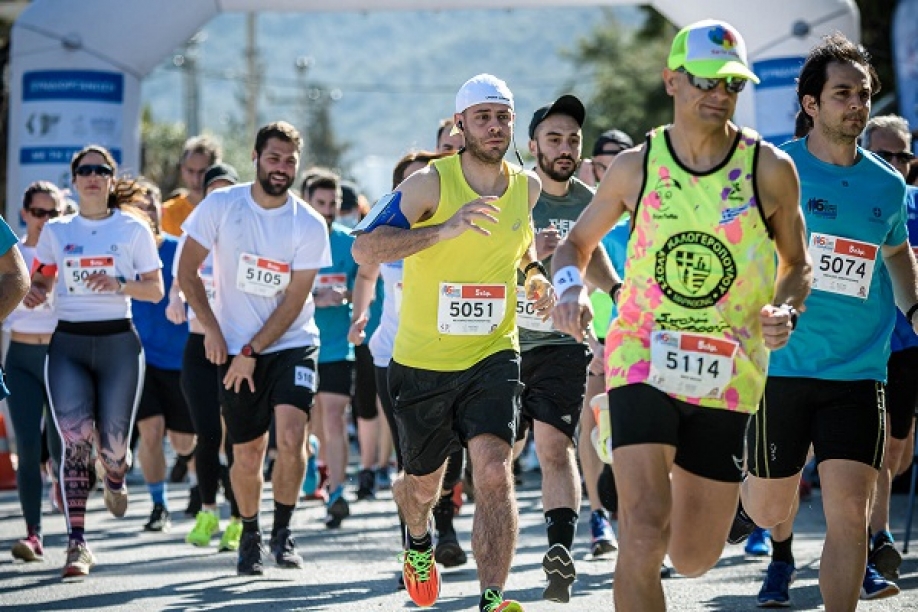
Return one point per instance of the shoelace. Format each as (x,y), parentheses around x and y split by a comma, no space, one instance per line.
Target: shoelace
(420,562)
(492,599)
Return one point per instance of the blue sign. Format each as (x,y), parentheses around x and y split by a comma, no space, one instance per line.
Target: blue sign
(84,85)
(54,155)
(776,97)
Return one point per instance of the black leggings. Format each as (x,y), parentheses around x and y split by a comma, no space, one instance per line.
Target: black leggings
(200,385)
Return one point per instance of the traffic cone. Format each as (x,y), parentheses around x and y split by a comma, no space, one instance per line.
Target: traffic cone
(7,473)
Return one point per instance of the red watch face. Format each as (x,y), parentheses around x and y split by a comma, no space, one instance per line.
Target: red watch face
(247,351)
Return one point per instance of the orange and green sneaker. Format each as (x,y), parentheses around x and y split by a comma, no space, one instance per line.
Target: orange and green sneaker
(422,580)
(493,601)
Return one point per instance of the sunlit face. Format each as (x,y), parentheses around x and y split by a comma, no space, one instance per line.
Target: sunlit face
(94,186)
(276,166)
(601,162)
(40,209)
(713,107)
(326,202)
(557,147)
(488,129)
(891,147)
(193,168)
(843,107)
(449,144)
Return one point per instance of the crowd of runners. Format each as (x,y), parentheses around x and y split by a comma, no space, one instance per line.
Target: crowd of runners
(677,328)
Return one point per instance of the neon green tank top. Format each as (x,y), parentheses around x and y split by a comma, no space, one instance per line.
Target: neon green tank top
(700,267)
(459,296)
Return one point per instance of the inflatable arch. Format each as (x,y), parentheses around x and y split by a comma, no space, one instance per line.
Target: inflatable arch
(76,67)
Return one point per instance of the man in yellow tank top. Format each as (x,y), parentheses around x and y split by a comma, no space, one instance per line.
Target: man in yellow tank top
(463,225)
(701,306)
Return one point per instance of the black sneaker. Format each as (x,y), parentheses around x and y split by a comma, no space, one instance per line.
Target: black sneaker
(160,520)
(179,470)
(885,557)
(284,550)
(366,484)
(741,528)
(337,508)
(194,501)
(250,550)
(448,551)
(559,569)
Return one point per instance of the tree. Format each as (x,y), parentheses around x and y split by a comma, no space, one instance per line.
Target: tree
(160,149)
(322,145)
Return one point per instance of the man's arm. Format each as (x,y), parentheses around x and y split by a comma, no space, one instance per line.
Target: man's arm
(14,280)
(193,255)
(900,261)
(364,293)
(600,272)
(779,188)
(290,307)
(420,196)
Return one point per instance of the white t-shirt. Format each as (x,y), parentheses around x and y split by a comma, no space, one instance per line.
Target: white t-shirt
(254,251)
(384,337)
(206,272)
(120,245)
(40,320)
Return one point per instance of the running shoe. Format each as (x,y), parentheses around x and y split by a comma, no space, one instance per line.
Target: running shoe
(230,540)
(383,479)
(116,500)
(448,552)
(602,537)
(757,544)
(422,579)
(311,479)
(194,501)
(337,508)
(29,549)
(206,524)
(741,528)
(495,602)
(79,560)
(179,470)
(249,562)
(283,547)
(160,519)
(876,586)
(559,569)
(884,556)
(775,591)
(366,484)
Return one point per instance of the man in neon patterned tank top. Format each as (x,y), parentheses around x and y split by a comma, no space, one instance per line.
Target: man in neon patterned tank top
(702,304)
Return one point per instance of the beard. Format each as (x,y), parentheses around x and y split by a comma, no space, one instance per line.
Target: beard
(270,188)
(485,155)
(548,167)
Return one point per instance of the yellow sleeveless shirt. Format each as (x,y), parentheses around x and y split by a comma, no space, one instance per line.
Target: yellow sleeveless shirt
(459,296)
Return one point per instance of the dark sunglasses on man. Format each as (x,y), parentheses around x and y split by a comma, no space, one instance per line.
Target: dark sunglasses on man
(903,157)
(732,84)
(103,170)
(41,213)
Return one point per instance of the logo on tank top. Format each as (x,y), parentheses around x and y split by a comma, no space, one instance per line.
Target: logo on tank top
(665,188)
(819,207)
(694,269)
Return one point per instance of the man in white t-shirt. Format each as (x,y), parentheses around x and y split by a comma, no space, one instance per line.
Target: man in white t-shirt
(267,246)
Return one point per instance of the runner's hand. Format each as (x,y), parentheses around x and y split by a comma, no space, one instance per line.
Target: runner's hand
(539,289)
(356,334)
(36,296)
(175,310)
(215,347)
(546,242)
(102,283)
(242,369)
(573,312)
(776,325)
(327,297)
(470,217)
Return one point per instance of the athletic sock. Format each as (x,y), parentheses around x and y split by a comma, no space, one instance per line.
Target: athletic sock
(282,515)
(250,524)
(158,493)
(561,524)
(781,551)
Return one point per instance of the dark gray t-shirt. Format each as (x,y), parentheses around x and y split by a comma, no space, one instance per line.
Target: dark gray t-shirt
(561,212)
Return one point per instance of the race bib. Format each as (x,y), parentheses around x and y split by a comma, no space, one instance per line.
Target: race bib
(689,364)
(526,316)
(304,377)
(262,276)
(470,310)
(325,281)
(841,265)
(210,288)
(78,269)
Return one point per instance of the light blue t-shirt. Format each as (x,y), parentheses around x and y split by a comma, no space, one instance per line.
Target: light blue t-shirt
(335,321)
(903,335)
(845,337)
(163,341)
(7,237)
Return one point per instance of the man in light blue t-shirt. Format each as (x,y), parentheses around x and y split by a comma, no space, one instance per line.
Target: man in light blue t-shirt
(826,387)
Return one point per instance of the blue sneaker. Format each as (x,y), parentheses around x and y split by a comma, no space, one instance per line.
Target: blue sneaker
(603,538)
(311,481)
(884,556)
(876,586)
(337,508)
(775,590)
(757,544)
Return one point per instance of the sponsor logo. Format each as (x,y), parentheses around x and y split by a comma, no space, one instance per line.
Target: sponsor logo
(700,324)
(73,249)
(694,269)
(722,37)
(728,215)
(819,207)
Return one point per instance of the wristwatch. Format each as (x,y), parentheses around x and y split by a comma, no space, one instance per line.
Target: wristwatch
(248,351)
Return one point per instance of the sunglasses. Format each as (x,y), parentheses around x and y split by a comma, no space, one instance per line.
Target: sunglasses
(41,213)
(732,84)
(903,157)
(103,170)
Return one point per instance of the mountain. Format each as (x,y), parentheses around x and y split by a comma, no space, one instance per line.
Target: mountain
(392,75)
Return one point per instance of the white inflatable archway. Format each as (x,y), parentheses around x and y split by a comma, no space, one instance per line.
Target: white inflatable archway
(76,67)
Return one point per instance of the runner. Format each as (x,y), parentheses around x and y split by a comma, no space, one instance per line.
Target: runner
(198,154)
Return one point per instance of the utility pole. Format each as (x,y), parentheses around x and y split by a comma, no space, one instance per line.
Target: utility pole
(253,74)
(192,84)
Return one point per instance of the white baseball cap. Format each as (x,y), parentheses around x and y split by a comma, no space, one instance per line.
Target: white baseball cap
(483,89)
(711,49)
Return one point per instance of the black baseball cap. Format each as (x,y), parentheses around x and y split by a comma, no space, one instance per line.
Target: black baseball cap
(565,105)
(220,172)
(616,137)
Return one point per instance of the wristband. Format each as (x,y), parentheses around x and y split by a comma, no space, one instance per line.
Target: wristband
(615,291)
(794,315)
(535,264)
(911,313)
(567,277)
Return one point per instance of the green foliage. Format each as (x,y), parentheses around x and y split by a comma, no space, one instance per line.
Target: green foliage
(161,146)
(626,69)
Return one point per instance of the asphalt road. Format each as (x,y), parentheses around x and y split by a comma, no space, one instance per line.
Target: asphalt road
(355,567)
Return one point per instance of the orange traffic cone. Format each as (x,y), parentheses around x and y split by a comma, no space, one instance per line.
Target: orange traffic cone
(7,473)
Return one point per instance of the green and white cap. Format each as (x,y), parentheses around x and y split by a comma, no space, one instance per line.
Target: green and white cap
(711,49)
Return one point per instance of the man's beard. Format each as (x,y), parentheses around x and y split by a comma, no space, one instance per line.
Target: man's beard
(270,188)
(560,176)
(488,156)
